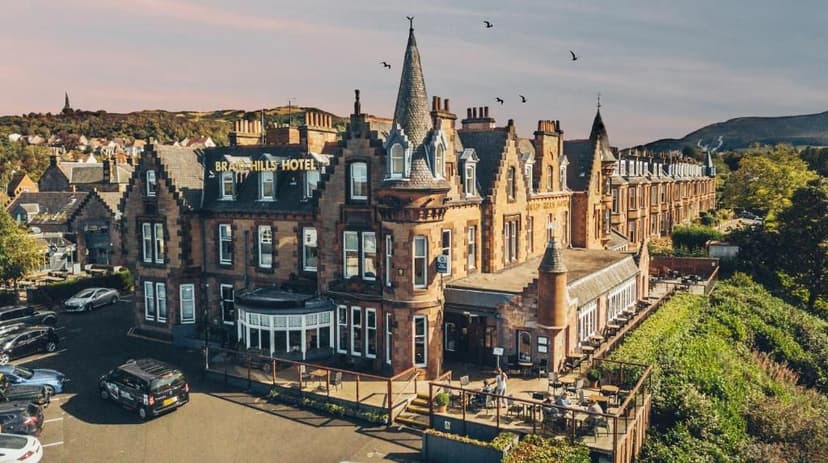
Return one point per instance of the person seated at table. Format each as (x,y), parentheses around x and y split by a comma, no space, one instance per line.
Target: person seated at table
(594,407)
(563,400)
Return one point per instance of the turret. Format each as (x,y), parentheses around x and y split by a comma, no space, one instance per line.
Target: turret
(552,293)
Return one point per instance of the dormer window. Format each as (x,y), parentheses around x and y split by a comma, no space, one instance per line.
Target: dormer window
(359,181)
(266,186)
(151,183)
(397,164)
(440,162)
(228,184)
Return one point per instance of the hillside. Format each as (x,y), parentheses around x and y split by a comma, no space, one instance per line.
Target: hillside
(807,129)
(165,126)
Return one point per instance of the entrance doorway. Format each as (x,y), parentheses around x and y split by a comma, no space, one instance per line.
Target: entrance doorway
(469,338)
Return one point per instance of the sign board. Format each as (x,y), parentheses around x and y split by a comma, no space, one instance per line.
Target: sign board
(497,351)
(442,263)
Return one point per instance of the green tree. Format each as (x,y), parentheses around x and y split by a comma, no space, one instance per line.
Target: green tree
(803,231)
(766,180)
(817,159)
(20,253)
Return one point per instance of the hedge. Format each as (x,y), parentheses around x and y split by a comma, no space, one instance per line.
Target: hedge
(693,237)
(8,298)
(59,292)
(336,409)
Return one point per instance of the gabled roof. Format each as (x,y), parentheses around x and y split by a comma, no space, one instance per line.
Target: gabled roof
(290,185)
(52,207)
(112,200)
(581,154)
(183,168)
(489,145)
(15,182)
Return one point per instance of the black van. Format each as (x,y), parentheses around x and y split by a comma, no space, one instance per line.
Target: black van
(149,386)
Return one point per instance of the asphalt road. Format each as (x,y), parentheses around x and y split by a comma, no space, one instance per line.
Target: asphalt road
(218,425)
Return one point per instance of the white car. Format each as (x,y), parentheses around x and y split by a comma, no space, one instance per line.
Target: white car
(90,298)
(15,448)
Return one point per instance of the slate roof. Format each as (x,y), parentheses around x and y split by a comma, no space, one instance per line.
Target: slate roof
(111,199)
(581,154)
(183,168)
(84,173)
(593,285)
(14,183)
(617,241)
(552,260)
(489,145)
(53,207)
(411,111)
(289,194)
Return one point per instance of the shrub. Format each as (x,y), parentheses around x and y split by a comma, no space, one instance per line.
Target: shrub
(536,449)
(693,237)
(594,375)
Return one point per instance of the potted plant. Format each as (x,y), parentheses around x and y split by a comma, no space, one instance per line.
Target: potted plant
(442,401)
(594,375)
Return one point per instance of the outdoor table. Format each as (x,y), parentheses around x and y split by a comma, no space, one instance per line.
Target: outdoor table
(602,400)
(588,350)
(525,368)
(319,375)
(610,390)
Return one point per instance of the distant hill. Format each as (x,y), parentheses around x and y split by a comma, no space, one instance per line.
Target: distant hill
(165,126)
(808,129)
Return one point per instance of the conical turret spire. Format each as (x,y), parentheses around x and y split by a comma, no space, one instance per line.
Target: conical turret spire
(411,111)
(552,261)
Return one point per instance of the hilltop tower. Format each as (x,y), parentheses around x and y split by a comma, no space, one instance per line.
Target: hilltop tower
(67,108)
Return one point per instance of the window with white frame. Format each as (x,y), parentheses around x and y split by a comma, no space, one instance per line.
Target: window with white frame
(356,330)
(528,172)
(225,244)
(530,239)
(472,247)
(632,197)
(469,180)
(549,180)
(350,250)
(266,186)
(397,164)
(158,237)
(510,183)
(388,328)
(615,200)
(371,333)
(161,301)
(420,334)
(653,195)
(440,161)
(310,256)
(152,184)
(312,178)
(265,246)
(446,249)
(587,320)
(149,300)
(510,247)
(369,256)
(186,300)
(563,175)
(389,253)
(228,184)
(359,180)
(228,304)
(342,329)
(146,234)
(420,253)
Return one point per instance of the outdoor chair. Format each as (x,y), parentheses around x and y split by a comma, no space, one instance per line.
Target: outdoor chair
(336,382)
(303,372)
(513,407)
(541,368)
(581,397)
(554,382)
(592,424)
(457,396)
(579,384)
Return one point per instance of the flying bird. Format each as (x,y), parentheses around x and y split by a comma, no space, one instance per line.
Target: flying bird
(386,65)
(574,58)
(488,24)
(499,100)
(522,98)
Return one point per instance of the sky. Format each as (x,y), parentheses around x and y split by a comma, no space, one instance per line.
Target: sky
(662,68)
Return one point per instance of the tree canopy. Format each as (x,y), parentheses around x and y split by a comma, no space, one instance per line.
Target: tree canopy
(20,253)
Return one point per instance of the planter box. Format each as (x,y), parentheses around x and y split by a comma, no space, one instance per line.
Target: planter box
(441,449)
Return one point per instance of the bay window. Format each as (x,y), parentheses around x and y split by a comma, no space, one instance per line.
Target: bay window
(356,330)
(420,266)
(420,333)
(351,253)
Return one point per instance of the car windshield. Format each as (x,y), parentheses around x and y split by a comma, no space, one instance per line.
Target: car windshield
(24,373)
(85,294)
(166,381)
(33,409)
(8,441)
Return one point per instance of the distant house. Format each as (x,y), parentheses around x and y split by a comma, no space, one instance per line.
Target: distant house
(88,175)
(197,142)
(15,137)
(723,250)
(35,140)
(20,183)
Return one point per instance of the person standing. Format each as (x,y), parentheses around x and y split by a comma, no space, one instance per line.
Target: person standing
(500,385)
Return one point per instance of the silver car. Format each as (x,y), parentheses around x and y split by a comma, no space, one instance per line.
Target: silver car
(90,298)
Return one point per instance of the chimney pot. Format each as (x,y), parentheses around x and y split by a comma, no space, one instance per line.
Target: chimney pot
(446,105)
(468,113)
(474,113)
(486,110)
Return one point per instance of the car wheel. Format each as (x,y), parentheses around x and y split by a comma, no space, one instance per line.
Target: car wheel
(4,359)
(114,301)
(104,393)
(142,413)
(50,390)
(51,346)
(88,307)
(49,321)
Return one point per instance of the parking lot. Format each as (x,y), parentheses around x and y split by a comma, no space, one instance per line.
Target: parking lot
(218,425)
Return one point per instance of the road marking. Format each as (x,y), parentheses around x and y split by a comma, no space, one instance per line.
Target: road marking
(52,444)
(53,419)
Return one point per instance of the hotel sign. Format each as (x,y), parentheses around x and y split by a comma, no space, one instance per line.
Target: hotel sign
(265,165)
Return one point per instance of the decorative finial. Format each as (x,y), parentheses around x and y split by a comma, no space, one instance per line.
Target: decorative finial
(599,100)
(411,22)
(357,106)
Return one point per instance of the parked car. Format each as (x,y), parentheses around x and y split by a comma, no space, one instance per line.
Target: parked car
(16,449)
(149,386)
(90,298)
(27,341)
(14,314)
(7,329)
(53,380)
(22,392)
(21,418)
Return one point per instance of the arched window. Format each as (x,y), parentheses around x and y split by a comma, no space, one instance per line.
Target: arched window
(524,346)
(397,164)
(439,161)
(151,183)
(510,183)
(359,180)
